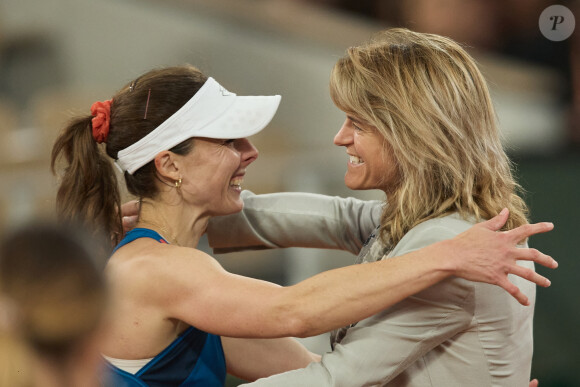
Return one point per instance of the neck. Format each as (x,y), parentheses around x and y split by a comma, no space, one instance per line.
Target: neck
(180,225)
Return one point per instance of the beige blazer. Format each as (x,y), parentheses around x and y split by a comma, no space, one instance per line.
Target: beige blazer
(455,333)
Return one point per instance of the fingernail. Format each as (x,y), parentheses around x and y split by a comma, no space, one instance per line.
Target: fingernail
(548,283)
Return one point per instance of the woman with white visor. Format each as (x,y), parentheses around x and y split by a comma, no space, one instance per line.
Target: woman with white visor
(180,319)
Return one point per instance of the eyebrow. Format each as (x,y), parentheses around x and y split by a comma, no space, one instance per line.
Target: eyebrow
(356,121)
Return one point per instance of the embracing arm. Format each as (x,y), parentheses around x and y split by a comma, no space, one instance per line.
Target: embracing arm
(294,219)
(379,349)
(232,305)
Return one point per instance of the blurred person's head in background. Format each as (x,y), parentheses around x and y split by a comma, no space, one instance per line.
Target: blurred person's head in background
(53,298)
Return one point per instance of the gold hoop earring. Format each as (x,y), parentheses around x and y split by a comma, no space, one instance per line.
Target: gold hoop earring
(178,183)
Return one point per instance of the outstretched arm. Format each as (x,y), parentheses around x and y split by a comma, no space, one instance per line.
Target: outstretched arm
(287,219)
(238,306)
(295,219)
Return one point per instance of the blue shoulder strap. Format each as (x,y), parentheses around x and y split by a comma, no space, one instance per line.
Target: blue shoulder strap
(137,233)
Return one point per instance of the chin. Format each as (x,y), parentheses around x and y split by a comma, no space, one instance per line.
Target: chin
(352,185)
(228,209)
(236,207)
(359,186)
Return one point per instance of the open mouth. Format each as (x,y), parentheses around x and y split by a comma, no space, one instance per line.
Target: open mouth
(236,183)
(355,160)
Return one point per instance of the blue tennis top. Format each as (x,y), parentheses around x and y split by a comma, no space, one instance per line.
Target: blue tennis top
(195,358)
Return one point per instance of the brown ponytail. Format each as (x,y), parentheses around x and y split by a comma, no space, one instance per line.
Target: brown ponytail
(88,193)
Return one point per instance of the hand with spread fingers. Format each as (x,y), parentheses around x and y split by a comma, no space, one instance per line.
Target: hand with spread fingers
(500,252)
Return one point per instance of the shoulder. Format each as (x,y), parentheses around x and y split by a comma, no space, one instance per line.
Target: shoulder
(149,269)
(146,254)
(444,227)
(452,294)
(432,231)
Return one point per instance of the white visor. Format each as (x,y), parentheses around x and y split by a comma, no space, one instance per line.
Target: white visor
(213,112)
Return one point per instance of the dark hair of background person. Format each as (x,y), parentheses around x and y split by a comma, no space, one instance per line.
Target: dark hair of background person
(54,295)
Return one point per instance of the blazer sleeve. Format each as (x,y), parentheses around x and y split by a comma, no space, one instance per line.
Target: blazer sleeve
(379,348)
(295,220)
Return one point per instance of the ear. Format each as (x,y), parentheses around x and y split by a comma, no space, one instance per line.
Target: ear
(167,165)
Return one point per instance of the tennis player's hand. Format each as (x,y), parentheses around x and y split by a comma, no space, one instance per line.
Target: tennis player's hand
(485,254)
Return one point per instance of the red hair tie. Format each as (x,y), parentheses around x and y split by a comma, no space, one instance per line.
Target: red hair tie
(101,112)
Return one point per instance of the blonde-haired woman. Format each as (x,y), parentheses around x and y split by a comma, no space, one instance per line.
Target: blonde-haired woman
(420,125)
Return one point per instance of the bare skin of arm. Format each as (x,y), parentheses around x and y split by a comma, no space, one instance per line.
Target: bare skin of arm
(130,212)
(238,306)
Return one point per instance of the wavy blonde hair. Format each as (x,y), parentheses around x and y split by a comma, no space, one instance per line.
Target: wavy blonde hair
(428,99)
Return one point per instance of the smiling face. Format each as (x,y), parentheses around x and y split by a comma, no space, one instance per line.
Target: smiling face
(371,163)
(213,173)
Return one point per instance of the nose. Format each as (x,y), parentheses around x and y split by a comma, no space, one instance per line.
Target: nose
(344,136)
(248,151)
